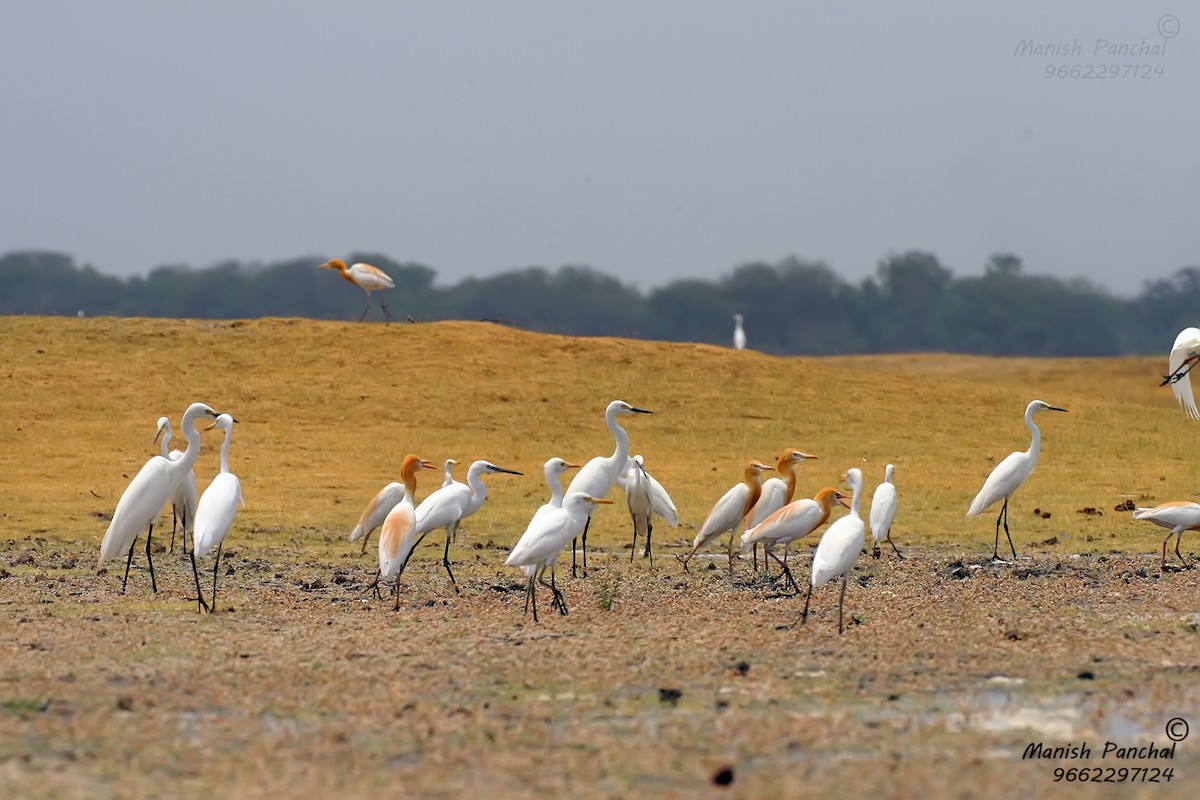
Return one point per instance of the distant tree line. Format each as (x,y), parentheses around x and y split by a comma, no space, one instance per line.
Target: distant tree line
(913,303)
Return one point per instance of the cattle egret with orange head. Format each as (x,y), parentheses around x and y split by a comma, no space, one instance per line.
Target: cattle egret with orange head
(730,511)
(366,277)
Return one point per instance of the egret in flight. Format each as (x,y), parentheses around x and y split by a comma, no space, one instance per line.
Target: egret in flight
(739,335)
(387,498)
(144,497)
(883,512)
(1179,516)
(839,548)
(366,277)
(729,512)
(1009,474)
(1185,354)
(184,496)
(215,512)
(544,538)
(598,475)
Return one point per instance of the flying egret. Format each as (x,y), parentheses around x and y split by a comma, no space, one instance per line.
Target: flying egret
(448,471)
(547,534)
(794,521)
(366,277)
(883,512)
(739,335)
(839,548)
(215,512)
(777,492)
(445,508)
(1185,354)
(184,496)
(597,476)
(1009,474)
(1179,516)
(730,511)
(387,498)
(645,497)
(145,496)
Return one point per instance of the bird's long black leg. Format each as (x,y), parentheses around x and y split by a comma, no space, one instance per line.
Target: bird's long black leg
(633,549)
(1006,533)
(200,604)
(586,526)
(893,544)
(755,563)
(996,547)
(529,590)
(807,598)
(150,560)
(1178,539)
(365,310)
(128,561)
(366,539)
(397,606)
(1184,369)
(649,531)
(213,607)
(446,561)
(558,595)
(383,306)
(174,522)
(841,603)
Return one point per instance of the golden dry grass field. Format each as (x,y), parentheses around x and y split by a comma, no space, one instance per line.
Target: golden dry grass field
(657,682)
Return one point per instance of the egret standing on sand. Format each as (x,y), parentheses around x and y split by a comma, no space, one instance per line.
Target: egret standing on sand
(366,277)
(839,548)
(215,512)
(883,512)
(143,500)
(1009,474)
(387,498)
(398,522)
(184,496)
(544,538)
(1185,354)
(739,335)
(1179,516)
(730,511)
(645,497)
(445,508)
(791,523)
(598,475)
(776,492)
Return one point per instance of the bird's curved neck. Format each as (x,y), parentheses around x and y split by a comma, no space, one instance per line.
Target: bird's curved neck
(224,449)
(622,438)
(165,440)
(410,487)
(855,500)
(183,465)
(1035,444)
(753,480)
(556,488)
(789,469)
(475,482)
(824,500)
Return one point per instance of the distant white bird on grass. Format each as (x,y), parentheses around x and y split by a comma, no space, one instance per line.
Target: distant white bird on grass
(388,497)
(1185,354)
(791,523)
(739,335)
(839,548)
(1179,516)
(547,534)
(777,492)
(645,497)
(729,512)
(366,277)
(1009,474)
(883,512)
(215,513)
(597,476)
(445,508)
(184,496)
(143,499)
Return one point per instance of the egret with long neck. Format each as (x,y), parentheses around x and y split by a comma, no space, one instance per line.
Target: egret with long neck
(215,512)
(730,511)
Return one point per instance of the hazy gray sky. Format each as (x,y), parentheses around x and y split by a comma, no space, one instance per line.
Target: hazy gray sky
(651,140)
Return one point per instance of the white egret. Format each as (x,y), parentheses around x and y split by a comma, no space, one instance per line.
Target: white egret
(366,277)
(1185,354)
(445,508)
(794,521)
(143,499)
(448,471)
(739,335)
(883,512)
(553,470)
(215,512)
(1009,474)
(547,534)
(387,498)
(645,497)
(184,496)
(730,511)
(839,548)
(777,492)
(597,476)
(399,521)
(1179,516)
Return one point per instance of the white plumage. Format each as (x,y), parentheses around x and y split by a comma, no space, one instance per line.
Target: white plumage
(216,511)
(185,495)
(546,535)
(839,548)
(883,511)
(1179,516)
(1184,355)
